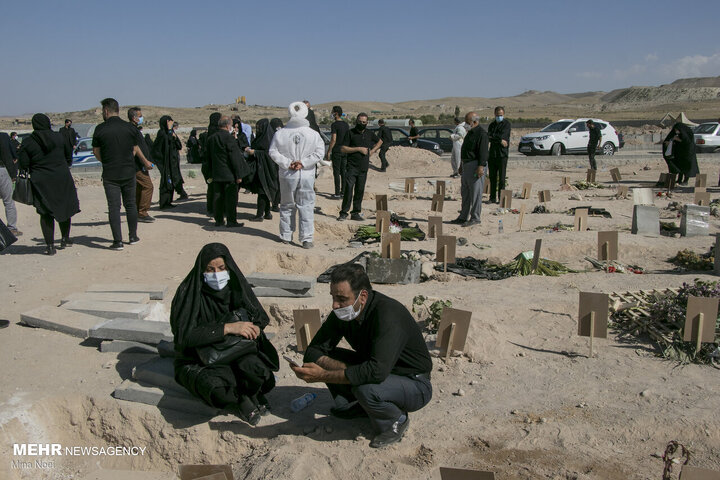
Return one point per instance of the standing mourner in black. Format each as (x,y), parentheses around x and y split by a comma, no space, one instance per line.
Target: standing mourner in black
(193,147)
(215,305)
(682,158)
(206,168)
(8,176)
(44,154)
(385,135)
(115,146)
(593,142)
(359,143)
(70,135)
(276,124)
(473,168)
(175,171)
(338,130)
(265,180)
(311,117)
(414,135)
(499,137)
(237,132)
(14,141)
(387,374)
(144,186)
(228,169)
(164,153)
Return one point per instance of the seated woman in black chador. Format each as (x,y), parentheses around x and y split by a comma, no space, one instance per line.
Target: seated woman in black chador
(207,310)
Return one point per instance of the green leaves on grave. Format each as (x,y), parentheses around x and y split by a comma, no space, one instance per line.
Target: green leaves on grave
(433,311)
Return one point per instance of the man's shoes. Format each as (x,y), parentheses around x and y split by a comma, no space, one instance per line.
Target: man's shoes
(15,232)
(382,170)
(257,218)
(336,196)
(145,219)
(357,216)
(219,224)
(183,197)
(351,410)
(253,418)
(116,246)
(470,223)
(268,216)
(454,175)
(50,250)
(342,217)
(65,242)
(275,208)
(165,207)
(391,436)
(308,245)
(457,221)
(234,224)
(133,240)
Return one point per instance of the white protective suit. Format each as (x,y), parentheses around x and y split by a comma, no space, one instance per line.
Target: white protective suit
(457,137)
(297,142)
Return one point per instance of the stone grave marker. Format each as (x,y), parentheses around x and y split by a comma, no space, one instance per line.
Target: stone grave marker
(646,220)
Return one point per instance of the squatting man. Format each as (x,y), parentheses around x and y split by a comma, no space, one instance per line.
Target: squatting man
(387,374)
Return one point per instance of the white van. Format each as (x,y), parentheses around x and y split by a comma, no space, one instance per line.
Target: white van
(569,136)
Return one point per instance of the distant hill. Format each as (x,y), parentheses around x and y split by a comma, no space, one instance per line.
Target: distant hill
(695,82)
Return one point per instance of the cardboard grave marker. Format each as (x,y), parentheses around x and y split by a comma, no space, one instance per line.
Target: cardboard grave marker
(716,268)
(464,474)
(382,221)
(695,473)
(590,177)
(409,185)
(699,189)
(506,198)
(593,316)
(435,227)
(622,191)
(667,180)
(536,254)
(701,180)
(615,174)
(381,202)
(527,188)
(702,199)
(700,321)
(390,245)
(544,196)
(437,202)
(581,219)
(307,323)
(521,217)
(565,181)
(486,187)
(195,472)
(608,246)
(445,251)
(440,188)
(453,330)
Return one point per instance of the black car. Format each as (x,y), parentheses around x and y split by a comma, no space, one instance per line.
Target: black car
(439,135)
(401,138)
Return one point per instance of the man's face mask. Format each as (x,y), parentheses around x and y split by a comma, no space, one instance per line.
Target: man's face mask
(499,118)
(141,120)
(361,126)
(217,280)
(348,313)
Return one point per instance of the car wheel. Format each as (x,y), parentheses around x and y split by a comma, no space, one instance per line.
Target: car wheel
(608,148)
(556,149)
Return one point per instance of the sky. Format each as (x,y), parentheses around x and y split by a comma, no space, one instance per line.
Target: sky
(67,56)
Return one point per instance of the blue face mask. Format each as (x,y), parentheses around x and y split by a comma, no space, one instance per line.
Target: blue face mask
(140,120)
(499,118)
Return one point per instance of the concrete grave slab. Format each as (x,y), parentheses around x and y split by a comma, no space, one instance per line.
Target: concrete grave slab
(283,292)
(107,297)
(393,270)
(694,220)
(61,320)
(279,280)
(133,330)
(156,292)
(123,346)
(134,392)
(109,309)
(158,372)
(646,220)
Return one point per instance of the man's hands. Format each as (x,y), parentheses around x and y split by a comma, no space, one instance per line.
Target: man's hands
(480,172)
(310,372)
(238,181)
(242,329)
(503,143)
(295,166)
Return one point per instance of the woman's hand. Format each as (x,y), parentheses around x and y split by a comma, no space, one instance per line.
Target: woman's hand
(243,329)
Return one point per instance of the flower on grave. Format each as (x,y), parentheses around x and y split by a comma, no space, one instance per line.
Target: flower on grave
(395,228)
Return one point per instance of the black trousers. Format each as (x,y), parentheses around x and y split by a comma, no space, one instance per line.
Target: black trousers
(210,198)
(339,166)
(263,205)
(115,190)
(591,156)
(354,190)
(498,169)
(383,161)
(386,401)
(166,191)
(47,225)
(225,205)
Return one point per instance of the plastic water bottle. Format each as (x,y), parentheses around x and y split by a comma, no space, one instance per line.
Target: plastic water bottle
(302,402)
(500,227)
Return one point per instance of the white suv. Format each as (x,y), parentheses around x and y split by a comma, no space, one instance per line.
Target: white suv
(707,137)
(569,136)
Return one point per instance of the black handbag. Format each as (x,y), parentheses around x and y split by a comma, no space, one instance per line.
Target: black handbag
(23,189)
(6,236)
(231,348)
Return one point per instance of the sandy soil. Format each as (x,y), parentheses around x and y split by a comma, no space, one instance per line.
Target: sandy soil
(532,405)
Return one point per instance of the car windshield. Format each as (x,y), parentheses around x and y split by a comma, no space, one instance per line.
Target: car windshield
(556,127)
(706,128)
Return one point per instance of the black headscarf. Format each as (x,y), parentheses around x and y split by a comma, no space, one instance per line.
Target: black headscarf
(213,126)
(193,133)
(276,123)
(263,135)
(42,132)
(163,123)
(196,304)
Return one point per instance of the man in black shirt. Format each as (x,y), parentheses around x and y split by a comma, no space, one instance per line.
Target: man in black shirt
(338,130)
(414,135)
(499,136)
(593,142)
(115,145)
(70,135)
(473,168)
(359,143)
(14,141)
(228,168)
(387,374)
(144,186)
(385,136)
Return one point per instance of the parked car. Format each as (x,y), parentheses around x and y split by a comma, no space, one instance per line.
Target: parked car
(569,136)
(83,154)
(439,135)
(401,138)
(707,137)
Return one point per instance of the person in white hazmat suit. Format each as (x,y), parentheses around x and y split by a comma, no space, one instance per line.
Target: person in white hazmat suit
(457,137)
(297,148)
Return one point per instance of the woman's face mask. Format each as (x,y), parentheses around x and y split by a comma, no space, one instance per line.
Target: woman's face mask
(348,313)
(217,280)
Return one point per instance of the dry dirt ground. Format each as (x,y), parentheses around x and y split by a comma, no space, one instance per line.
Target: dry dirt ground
(533,406)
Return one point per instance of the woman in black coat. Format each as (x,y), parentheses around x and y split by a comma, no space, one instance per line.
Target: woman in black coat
(682,159)
(44,153)
(214,305)
(193,148)
(265,181)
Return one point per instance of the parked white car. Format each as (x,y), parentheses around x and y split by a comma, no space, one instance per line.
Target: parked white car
(707,137)
(569,136)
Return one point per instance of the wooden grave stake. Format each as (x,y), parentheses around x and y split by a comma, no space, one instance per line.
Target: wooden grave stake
(544,196)
(465,474)
(390,245)
(307,323)
(453,330)
(622,191)
(435,227)
(409,185)
(536,254)
(581,219)
(615,174)
(590,177)
(705,310)
(445,250)
(526,189)
(381,202)
(695,473)
(521,217)
(701,180)
(593,316)
(506,198)
(437,203)
(565,181)
(382,221)
(608,246)
(702,198)
(440,188)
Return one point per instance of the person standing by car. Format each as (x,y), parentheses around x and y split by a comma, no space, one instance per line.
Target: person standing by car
(499,136)
(14,141)
(457,138)
(359,144)
(338,130)
(144,187)
(414,135)
(593,142)
(386,137)
(8,174)
(70,135)
(473,169)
